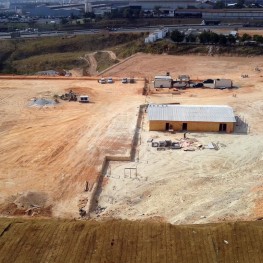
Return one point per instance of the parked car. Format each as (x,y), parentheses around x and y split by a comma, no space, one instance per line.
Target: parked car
(131,80)
(102,81)
(109,80)
(198,85)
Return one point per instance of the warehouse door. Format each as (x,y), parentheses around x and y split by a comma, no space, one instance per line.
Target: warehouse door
(222,127)
(184,127)
(167,126)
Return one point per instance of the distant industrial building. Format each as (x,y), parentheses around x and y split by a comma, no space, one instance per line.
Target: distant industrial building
(248,14)
(44,10)
(195,118)
(169,4)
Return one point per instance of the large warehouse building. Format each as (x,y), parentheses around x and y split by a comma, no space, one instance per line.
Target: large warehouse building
(200,118)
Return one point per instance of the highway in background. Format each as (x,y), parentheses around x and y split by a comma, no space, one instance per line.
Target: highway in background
(119,30)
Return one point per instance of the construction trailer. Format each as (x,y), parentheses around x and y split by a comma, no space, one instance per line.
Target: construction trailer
(180,84)
(163,82)
(185,78)
(194,118)
(84,99)
(218,83)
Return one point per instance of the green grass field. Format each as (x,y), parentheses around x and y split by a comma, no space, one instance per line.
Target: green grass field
(25,240)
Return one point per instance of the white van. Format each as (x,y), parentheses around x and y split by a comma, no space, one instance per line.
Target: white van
(84,99)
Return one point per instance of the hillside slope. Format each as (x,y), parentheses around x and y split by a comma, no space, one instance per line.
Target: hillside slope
(27,56)
(125,241)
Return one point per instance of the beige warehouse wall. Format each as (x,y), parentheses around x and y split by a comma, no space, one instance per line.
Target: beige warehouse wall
(191,126)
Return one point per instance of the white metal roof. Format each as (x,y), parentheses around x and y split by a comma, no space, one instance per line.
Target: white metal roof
(163,77)
(198,113)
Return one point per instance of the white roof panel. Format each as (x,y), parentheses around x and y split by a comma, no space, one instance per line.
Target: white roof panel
(163,77)
(198,113)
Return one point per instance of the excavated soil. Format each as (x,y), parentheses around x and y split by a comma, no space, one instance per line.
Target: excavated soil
(198,186)
(47,154)
(57,150)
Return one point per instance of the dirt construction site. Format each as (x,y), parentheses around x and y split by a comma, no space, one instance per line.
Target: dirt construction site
(99,157)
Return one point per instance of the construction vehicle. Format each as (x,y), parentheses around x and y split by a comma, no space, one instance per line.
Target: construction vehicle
(71,96)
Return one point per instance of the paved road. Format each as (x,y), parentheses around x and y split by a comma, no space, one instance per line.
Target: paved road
(119,30)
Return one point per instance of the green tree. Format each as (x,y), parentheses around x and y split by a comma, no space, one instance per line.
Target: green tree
(177,36)
(258,38)
(222,40)
(219,5)
(240,3)
(205,37)
(209,37)
(191,38)
(231,39)
(214,37)
(245,37)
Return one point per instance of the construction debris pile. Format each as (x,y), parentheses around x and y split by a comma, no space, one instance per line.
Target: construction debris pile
(41,102)
(71,96)
(186,144)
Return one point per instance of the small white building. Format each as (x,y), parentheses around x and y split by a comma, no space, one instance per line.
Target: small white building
(157,34)
(150,39)
(163,82)
(218,83)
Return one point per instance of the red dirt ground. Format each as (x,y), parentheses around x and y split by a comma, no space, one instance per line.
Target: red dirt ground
(53,151)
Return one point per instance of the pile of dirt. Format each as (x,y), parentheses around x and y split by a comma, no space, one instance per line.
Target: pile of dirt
(31,199)
(30,203)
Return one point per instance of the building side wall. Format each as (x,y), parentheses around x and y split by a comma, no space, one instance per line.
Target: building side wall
(164,4)
(164,83)
(232,15)
(191,126)
(227,83)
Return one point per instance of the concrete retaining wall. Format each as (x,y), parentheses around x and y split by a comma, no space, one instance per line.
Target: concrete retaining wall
(96,190)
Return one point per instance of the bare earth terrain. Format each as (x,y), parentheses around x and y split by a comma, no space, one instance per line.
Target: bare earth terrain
(48,154)
(52,152)
(204,185)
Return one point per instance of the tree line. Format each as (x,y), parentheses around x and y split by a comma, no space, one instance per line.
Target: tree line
(209,37)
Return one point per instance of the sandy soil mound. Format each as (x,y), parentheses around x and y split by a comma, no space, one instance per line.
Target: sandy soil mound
(31,199)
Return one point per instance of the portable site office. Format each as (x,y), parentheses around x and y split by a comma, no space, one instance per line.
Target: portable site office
(163,82)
